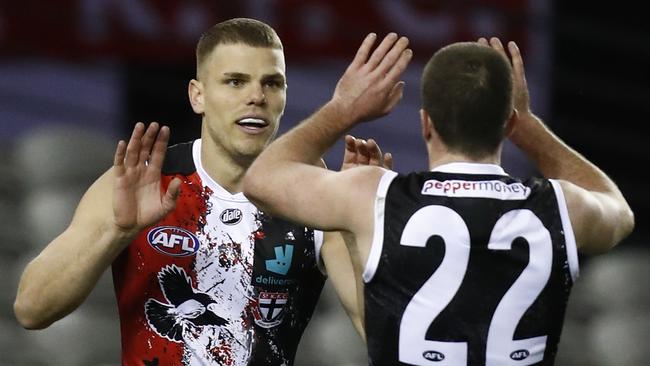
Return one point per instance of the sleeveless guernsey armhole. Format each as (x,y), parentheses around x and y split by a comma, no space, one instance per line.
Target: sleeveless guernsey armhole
(569,238)
(318,244)
(378,231)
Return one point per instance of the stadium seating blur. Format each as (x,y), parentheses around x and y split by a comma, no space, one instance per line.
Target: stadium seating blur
(50,169)
(64,100)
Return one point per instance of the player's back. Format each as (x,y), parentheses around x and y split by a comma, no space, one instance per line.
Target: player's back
(472,267)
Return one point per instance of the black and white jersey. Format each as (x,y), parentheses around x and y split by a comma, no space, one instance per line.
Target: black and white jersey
(468,266)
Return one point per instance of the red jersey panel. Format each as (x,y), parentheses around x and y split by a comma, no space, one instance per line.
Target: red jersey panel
(216,282)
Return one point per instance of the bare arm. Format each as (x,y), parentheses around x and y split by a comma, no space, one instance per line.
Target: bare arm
(600,215)
(339,252)
(340,271)
(112,212)
(282,182)
(317,197)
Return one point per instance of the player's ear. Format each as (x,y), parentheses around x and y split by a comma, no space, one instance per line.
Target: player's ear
(425,123)
(511,123)
(196,95)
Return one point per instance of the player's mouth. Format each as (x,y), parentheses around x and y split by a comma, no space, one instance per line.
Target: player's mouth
(253,125)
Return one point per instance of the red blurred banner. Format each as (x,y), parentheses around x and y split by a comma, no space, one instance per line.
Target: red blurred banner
(167,30)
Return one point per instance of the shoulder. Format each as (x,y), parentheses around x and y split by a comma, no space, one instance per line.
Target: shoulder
(179,159)
(364,176)
(359,183)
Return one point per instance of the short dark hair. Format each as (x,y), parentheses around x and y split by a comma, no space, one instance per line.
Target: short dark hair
(467,92)
(246,31)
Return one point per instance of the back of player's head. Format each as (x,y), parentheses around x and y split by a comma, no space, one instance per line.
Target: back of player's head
(467,91)
(245,31)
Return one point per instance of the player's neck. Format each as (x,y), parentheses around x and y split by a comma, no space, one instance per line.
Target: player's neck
(223,168)
(447,157)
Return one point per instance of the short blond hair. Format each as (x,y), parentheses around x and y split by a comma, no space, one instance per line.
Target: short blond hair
(246,31)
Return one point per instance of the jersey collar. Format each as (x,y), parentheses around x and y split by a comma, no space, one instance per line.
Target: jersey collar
(470,168)
(216,188)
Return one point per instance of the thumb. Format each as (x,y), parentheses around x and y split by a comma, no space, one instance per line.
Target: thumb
(388,161)
(171,196)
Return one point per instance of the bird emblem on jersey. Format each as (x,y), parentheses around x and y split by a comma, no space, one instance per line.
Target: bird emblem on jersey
(186,306)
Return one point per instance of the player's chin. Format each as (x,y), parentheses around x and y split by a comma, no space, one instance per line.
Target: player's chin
(251,149)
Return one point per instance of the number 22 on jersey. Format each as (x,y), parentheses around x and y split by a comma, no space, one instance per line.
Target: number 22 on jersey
(438,291)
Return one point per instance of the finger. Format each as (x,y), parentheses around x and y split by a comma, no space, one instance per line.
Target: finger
(388,161)
(496,44)
(350,143)
(374,153)
(381,50)
(147,142)
(394,96)
(171,196)
(395,73)
(362,152)
(393,56)
(517,61)
(159,148)
(350,152)
(522,99)
(483,41)
(133,148)
(118,160)
(364,50)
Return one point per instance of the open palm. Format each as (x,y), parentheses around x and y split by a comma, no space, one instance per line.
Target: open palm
(137,198)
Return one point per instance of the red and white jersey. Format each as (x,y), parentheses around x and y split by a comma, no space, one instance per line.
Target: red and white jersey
(216,282)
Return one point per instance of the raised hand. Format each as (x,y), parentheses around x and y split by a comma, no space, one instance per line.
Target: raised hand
(521,96)
(360,152)
(370,86)
(137,200)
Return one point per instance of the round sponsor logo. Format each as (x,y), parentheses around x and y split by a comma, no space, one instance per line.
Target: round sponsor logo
(173,240)
(230,216)
(519,354)
(433,356)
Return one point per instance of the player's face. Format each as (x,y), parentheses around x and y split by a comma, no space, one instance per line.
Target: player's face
(244,94)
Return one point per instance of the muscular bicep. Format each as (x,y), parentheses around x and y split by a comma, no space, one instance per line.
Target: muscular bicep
(96,205)
(92,214)
(63,274)
(318,197)
(599,220)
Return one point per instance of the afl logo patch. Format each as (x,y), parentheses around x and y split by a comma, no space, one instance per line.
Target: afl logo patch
(230,216)
(174,241)
(434,356)
(520,354)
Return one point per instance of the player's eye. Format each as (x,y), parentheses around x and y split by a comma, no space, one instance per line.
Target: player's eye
(235,82)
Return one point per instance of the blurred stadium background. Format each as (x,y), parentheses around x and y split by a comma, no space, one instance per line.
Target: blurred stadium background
(75,75)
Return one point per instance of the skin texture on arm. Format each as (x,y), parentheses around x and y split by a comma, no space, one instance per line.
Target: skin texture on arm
(123,201)
(600,215)
(340,271)
(339,252)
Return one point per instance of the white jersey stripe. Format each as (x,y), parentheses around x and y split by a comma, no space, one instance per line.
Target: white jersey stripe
(569,238)
(378,231)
